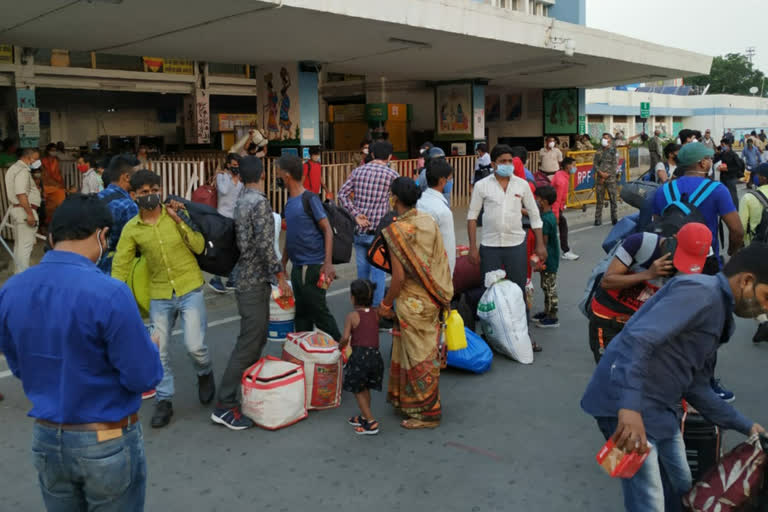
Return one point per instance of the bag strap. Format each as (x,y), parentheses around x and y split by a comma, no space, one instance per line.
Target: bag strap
(760,197)
(306,197)
(705,193)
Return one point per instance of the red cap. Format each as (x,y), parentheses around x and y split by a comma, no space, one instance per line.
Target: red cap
(694,241)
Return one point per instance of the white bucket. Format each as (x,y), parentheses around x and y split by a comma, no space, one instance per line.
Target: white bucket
(280,320)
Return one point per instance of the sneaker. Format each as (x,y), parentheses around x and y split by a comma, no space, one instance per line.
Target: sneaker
(231,285)
(762,333)
(570,256)
(723,393)
(548,323)
(386,324)
(540,316)
(163,413)
(216,285)
(232,418)
(598,222)
(206,388)
(148,394)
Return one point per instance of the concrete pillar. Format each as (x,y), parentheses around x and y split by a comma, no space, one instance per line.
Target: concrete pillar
(309,107)
(478,111)
(197,109)
(27,114)
(608,120)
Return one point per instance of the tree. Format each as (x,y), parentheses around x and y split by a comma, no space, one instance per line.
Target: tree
(731,74)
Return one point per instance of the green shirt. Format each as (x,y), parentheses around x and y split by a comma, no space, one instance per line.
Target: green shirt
(553,245)
(168,248)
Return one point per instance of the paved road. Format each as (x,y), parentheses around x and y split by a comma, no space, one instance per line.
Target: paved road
(512,439)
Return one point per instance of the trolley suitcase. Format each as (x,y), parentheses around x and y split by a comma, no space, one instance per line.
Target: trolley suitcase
(703,443)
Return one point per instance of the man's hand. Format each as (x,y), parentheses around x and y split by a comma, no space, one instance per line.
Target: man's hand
(172,208)
(630,432)
(363,221)
(756,429)
(31,221)
(328,270)
(661,267)
(541,252)
(283,286)
(474,255)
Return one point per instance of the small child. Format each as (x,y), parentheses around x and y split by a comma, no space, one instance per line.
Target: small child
(546,196)
(365,369)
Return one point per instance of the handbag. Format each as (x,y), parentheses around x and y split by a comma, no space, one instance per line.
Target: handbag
(636,192)
(207,194)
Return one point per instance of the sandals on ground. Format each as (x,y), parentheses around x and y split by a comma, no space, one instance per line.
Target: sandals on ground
(356,421)
(367,428)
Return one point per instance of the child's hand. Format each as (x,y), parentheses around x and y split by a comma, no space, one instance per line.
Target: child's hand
(343,342)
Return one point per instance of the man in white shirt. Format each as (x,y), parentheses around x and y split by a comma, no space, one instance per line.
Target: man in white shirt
(433,202)
(504,198)
(228,189)
(24,200)
(550,157)
(483,161)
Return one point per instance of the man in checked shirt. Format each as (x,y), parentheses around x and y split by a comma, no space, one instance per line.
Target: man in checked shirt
(365,195)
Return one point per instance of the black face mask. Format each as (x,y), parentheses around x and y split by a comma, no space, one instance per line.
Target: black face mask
(280,183)
(234,170)
(148,202)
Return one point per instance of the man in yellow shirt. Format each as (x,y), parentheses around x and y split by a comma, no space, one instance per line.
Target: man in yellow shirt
(176,284)
(751,209)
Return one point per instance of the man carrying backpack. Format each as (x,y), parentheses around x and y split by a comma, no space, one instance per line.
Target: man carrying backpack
(638,268)
(175,284)
(309,247)
(753,211)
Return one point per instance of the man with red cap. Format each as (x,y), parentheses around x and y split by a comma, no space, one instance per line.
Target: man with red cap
(643,263)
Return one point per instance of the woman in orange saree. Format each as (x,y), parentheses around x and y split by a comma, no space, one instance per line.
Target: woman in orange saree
(53,182)
(422,286)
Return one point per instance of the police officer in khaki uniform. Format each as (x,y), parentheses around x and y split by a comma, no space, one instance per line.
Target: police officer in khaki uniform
(24,198)
(606,163)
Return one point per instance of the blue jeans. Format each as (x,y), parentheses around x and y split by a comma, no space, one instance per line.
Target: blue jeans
(77,472)
(162,314)
(663,479)
(367,271)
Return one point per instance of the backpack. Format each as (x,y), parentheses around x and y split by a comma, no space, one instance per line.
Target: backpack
(646,250)
(221,253)
(760,233)
(342,225)
(681,208)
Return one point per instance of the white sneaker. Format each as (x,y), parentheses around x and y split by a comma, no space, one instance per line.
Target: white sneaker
(570,256)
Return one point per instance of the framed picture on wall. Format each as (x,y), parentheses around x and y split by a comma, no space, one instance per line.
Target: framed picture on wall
(561,111)
(513,107)
(454,109)
(492,108)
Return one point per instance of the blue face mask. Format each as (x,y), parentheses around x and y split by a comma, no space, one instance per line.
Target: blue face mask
(448,187)
(505,170)
(573,170)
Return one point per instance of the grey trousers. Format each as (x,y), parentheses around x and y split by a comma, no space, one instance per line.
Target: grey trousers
(253,306)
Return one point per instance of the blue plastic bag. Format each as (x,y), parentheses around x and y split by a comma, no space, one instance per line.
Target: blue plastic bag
(620,231)
(476,358)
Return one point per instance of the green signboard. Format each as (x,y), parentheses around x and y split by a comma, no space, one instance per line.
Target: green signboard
(582,124)
(376,112)
(561,111)
(645,109)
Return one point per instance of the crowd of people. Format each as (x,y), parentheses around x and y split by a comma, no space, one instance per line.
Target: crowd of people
(96,345)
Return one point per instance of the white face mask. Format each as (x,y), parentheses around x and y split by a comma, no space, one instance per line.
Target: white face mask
(694,139)
(36,164)
(365,151)
(551,144)
(605,142)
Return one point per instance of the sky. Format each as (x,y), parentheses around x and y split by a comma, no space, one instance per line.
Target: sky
(711,27)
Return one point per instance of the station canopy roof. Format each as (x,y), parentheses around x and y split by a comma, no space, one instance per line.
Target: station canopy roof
(432,40)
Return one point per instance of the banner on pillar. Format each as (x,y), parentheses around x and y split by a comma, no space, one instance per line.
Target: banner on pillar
(454,107)
(6,54)
(197,118)
(29,123)
(278,94)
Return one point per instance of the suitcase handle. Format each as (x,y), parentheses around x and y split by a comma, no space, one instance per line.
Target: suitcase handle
(255,369)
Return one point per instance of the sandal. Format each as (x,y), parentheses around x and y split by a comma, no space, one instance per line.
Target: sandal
(412,424)
(536,347)
(368,428)
(356,421)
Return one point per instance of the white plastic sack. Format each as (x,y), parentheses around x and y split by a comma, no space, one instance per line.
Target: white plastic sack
(273,393)
(502,314)
(320,356)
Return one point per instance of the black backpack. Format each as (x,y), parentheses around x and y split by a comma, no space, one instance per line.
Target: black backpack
(221,253)
(760,233)
(342,224)
(681,208)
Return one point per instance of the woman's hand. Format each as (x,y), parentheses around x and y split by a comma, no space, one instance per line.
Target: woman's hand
(385,311)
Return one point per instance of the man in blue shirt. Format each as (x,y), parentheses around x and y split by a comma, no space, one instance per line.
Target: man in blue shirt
(666,353)
(695,161)
(120,204)
(309,246)
(752,156)
(75,338)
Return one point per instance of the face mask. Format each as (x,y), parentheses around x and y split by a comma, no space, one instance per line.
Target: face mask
(676,159)
(748,308)
(505,170)
(448,187)
(82,167)
(148,202)
(551,145)
(604,142)
(573,170)
(365,151)
(36,164)
(234,170)
(280,183)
